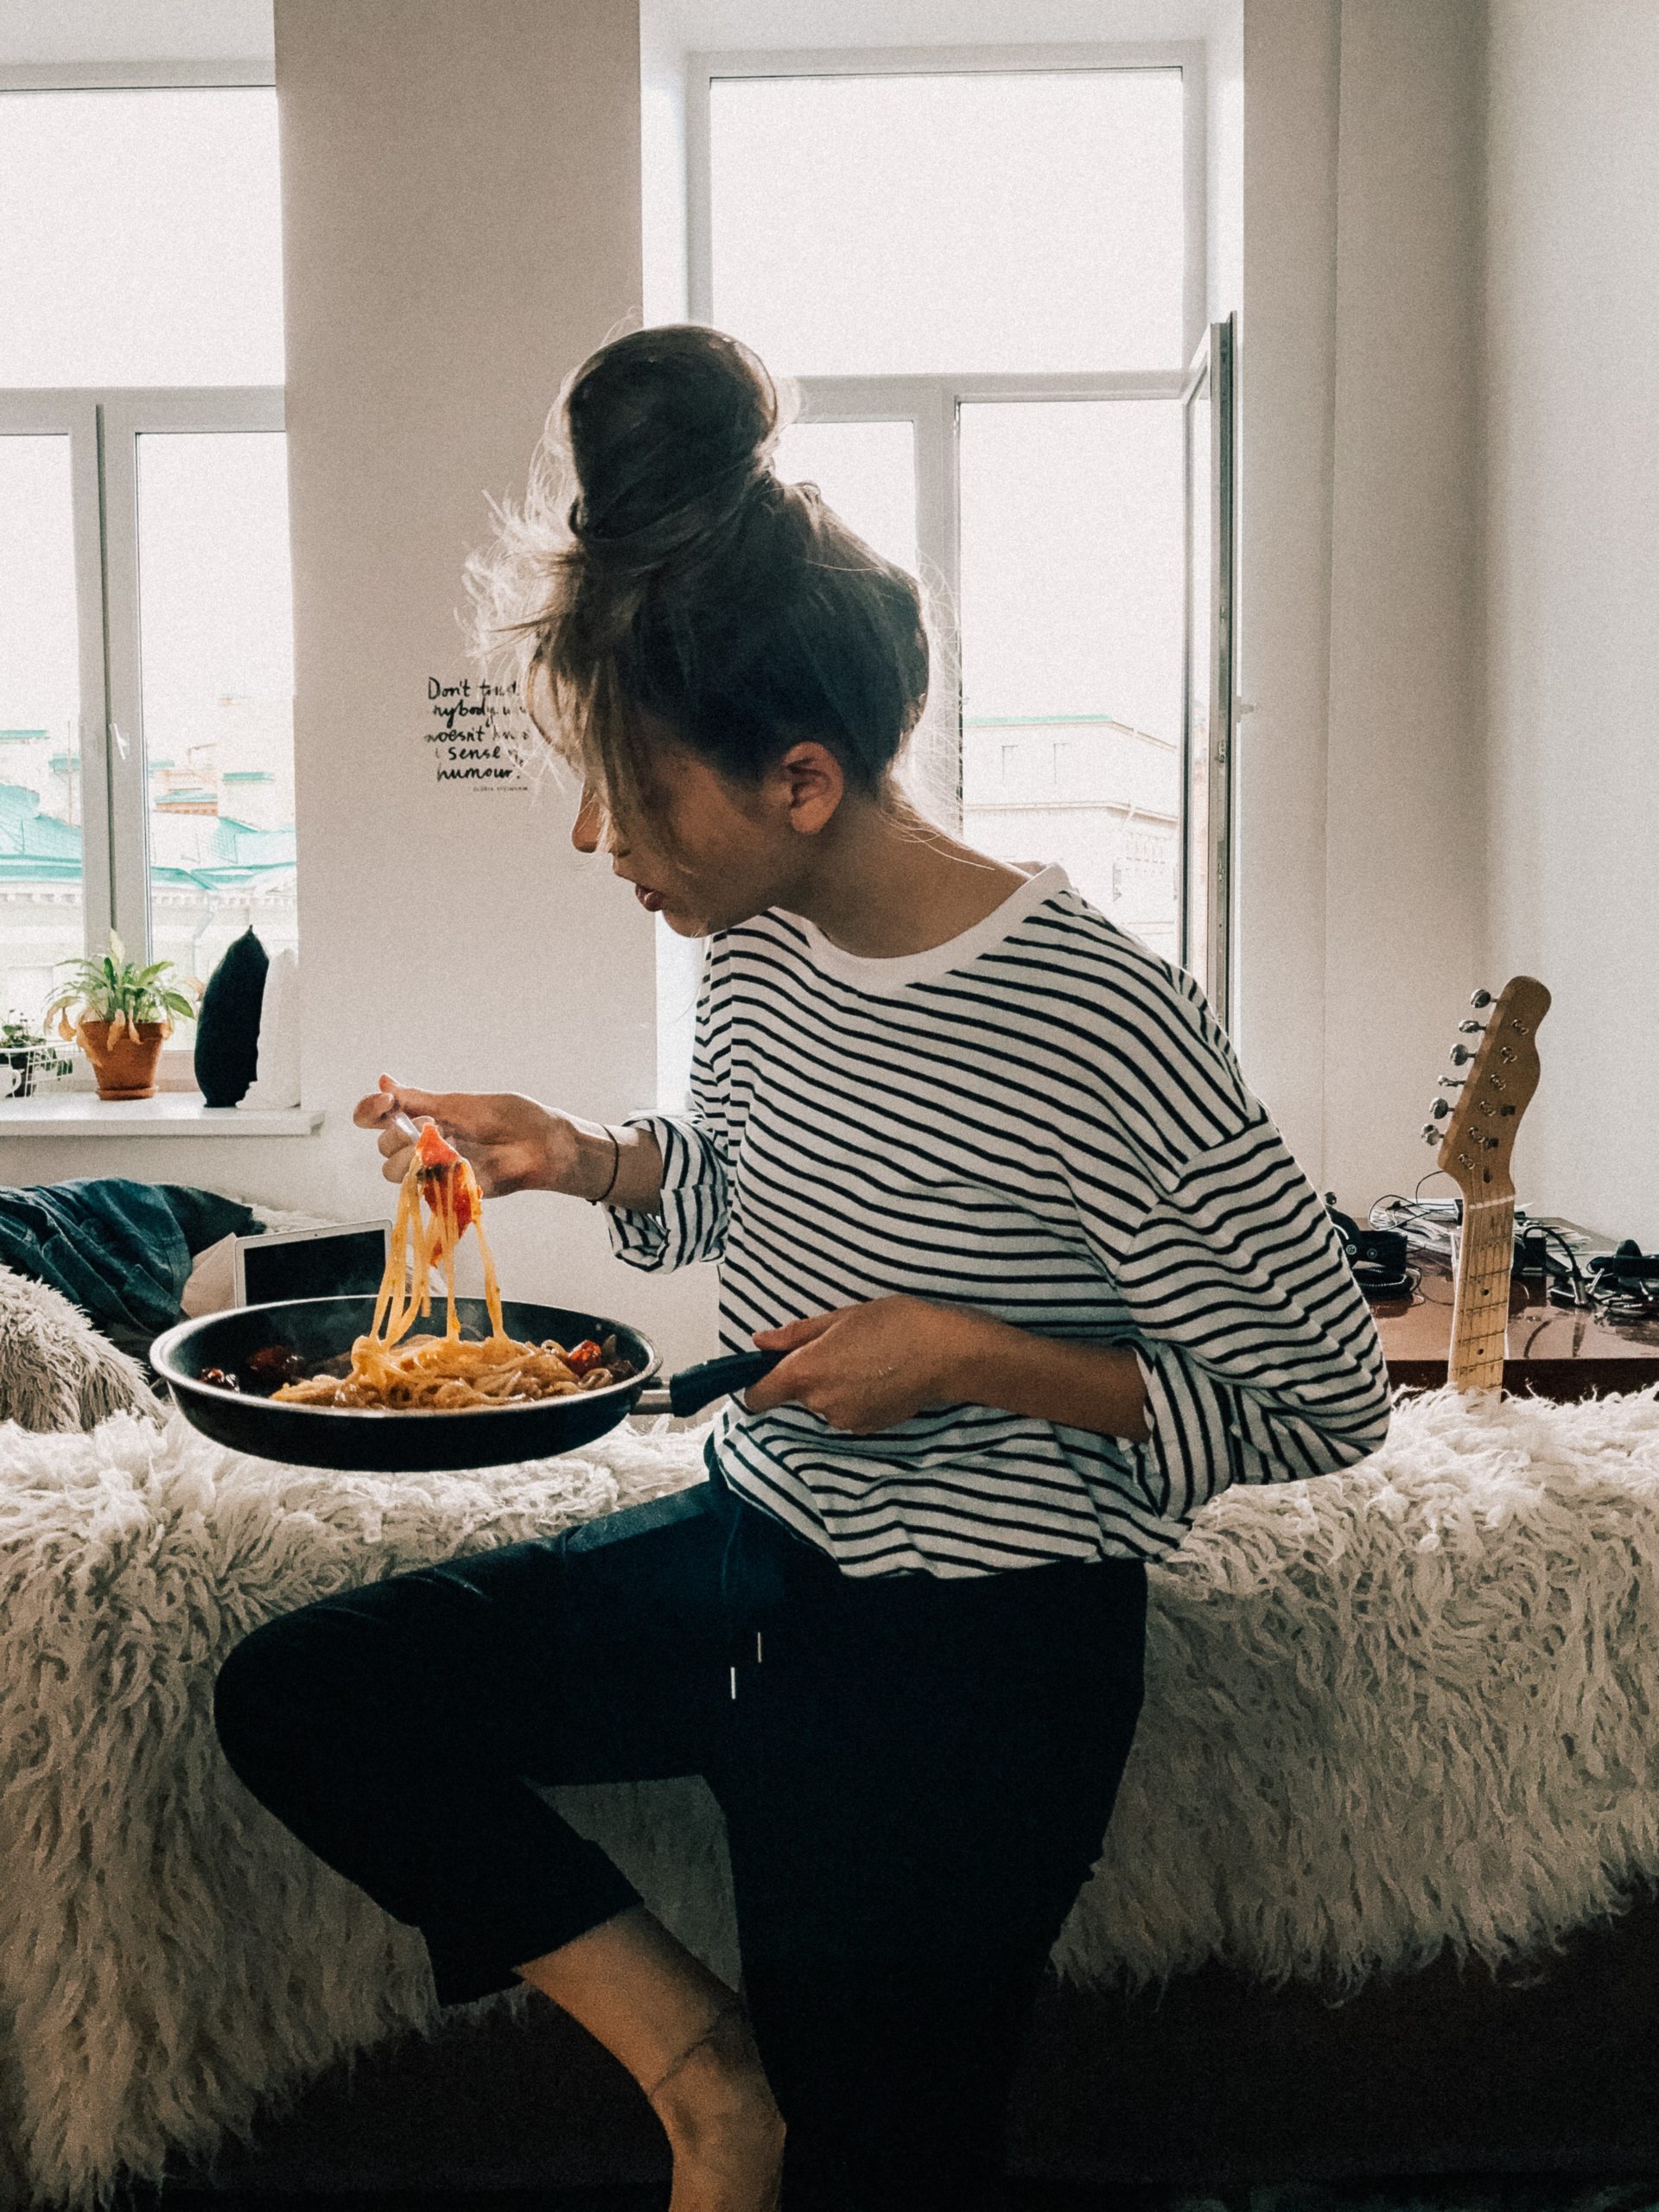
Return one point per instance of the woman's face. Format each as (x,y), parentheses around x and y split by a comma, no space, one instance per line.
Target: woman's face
(735,848)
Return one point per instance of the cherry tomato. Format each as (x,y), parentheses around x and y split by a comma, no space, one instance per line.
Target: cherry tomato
(432,1150)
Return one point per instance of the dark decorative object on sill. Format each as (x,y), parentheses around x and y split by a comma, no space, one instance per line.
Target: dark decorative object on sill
(227,1028)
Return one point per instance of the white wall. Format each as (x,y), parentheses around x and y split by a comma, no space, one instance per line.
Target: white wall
(1225,133)
(462,225)
(1405,884)
(1572,533)
(1287,384)
(1362,890)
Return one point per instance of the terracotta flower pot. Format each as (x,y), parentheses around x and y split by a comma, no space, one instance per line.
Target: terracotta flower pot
(125,1069)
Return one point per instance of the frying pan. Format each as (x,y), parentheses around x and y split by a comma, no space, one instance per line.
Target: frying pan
(358,1440)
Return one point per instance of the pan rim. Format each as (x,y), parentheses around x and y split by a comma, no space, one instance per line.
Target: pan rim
(161,1355)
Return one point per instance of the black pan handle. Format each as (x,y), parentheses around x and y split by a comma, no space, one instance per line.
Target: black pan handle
(693,1387)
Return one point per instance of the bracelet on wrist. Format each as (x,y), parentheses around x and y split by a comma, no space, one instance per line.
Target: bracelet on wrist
(616,1164)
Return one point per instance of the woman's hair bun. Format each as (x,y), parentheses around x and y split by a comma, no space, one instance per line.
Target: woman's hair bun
(660,575)
(669,431)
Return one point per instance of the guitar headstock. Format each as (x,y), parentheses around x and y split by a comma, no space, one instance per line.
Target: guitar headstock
(1476,1135)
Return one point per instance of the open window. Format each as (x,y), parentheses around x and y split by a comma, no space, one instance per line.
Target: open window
(1207,753)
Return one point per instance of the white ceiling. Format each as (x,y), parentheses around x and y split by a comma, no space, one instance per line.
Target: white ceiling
(44,31)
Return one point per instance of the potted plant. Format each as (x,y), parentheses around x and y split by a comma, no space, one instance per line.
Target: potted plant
(26,1049)
(120,1015)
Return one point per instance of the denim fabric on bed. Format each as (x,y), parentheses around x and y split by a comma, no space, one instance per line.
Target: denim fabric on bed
(121,1251)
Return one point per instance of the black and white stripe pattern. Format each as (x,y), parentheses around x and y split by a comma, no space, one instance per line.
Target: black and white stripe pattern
(1041,1120)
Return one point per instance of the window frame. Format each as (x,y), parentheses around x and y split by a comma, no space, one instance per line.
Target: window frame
(127,417)
(933,407)
(73,413)
(932,403)
(102,427)
(1212,377)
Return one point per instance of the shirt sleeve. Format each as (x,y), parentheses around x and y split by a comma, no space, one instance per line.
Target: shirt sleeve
(696,1190)
(1261,1359)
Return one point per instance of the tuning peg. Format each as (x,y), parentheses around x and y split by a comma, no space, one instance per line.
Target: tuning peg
(1481,998)
(1473,1028)
(1440,1108)
(1432,1133)
(1452,1082)
(1459,1054)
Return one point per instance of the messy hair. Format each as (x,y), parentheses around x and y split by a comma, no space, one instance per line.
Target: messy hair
(657,563)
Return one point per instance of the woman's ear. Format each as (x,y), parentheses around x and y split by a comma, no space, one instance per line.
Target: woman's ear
(810,784)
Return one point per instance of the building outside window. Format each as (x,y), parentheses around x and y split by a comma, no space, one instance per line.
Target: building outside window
(146,656)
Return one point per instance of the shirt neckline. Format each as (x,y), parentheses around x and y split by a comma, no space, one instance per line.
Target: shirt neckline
(892,972)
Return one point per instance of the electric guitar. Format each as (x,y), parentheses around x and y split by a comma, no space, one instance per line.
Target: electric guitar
(1477,1140)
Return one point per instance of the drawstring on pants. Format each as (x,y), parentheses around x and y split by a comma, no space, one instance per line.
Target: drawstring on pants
(736,1511)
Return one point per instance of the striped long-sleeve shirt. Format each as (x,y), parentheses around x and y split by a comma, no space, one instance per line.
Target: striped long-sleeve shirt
(1040,1119)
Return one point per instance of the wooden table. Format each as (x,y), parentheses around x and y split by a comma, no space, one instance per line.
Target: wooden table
(1552,1351)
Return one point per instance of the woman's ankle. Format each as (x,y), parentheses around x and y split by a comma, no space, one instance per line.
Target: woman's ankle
(636,1989)
(717,2087)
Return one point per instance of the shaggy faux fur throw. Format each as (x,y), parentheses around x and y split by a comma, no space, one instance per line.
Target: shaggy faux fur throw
(1388,1711)
(56,1371)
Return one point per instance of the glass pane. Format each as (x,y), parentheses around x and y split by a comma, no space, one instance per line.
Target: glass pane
(41,917)
(1072,647)
(1195,835)
(974,221)
(140,239)
(867,473)
(215,609)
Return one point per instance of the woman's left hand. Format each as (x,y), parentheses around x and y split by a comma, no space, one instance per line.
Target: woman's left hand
(866,1368)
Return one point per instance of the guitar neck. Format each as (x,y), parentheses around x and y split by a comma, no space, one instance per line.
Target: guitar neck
(1480,1308)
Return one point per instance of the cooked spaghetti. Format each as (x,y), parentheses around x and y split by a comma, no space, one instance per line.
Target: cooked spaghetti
(391,1370)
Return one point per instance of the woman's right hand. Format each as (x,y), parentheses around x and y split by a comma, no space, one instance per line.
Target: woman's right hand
(513,1142)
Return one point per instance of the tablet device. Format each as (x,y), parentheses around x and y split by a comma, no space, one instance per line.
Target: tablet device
(346,1260)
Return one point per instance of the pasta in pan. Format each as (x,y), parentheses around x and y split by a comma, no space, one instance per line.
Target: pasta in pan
(392,1369)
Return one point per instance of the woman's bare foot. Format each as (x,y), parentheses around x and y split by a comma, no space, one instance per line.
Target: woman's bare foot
(722,2123)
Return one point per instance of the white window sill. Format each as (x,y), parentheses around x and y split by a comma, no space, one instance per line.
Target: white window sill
(170,1114)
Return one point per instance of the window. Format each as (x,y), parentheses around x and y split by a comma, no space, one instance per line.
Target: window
(923,222)
(146,738)
(986,271)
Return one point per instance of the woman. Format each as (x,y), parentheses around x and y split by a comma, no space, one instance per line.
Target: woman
(985,1169)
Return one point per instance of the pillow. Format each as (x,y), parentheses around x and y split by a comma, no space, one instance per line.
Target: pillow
(227,1023)
(56,1371)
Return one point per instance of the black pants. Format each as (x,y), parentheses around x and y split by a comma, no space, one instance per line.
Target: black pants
(916,1775)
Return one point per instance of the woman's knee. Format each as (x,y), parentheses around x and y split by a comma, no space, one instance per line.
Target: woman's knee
(262,1684)
(380,1669)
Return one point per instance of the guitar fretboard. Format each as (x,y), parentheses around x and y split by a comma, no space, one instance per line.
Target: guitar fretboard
(1480,1311)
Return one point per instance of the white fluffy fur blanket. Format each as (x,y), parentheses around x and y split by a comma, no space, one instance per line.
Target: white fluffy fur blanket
(1388,1711)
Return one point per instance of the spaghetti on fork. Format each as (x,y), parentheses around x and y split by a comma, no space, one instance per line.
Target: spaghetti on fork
(437,1202)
